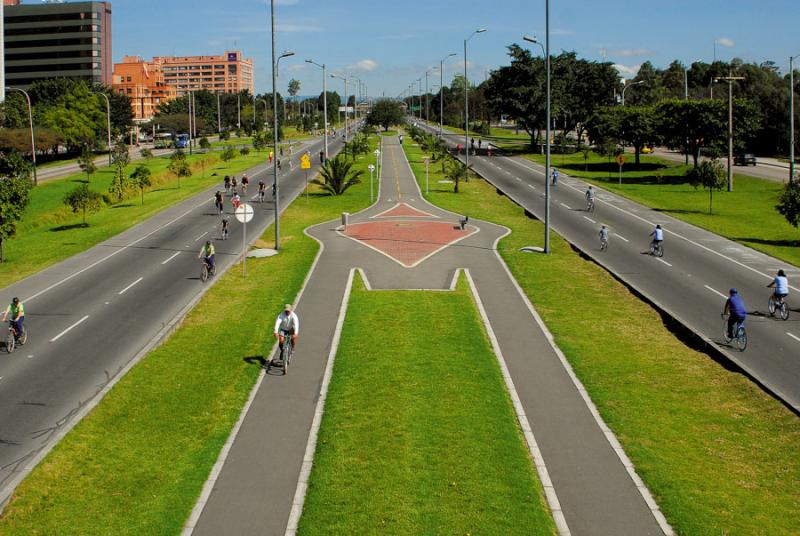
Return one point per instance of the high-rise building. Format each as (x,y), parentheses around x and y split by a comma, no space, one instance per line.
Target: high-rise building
(228,73)
(144,83)
(57,40)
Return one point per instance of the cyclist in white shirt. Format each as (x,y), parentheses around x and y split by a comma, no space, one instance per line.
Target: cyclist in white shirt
(603,237)
(287,323)
(589,195)
(658,235)
(781,286)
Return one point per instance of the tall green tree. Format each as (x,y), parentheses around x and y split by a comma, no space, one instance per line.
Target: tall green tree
(385,113)
(83,199)
(15,187)
(141,178)
(789,204)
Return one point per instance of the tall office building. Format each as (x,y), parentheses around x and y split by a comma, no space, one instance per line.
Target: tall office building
(228,73)
(144,83)
(57,40)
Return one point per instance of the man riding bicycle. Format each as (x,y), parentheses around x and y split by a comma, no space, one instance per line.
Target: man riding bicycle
(781,286)
(207,252)
(287,324)
(17,312)
(589,197)
(603,237)
(734,306)
(658,236)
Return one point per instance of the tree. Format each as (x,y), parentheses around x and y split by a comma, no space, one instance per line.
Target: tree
(385,113)
(336,175)
(86,162)
(244,151)
(146,153)
(637,126)
(710,175)
(789,204)
(83,199)
(228,154)
(141,178)
(15,186)
(456,172)
(178,166)
(205,144)
(120,157)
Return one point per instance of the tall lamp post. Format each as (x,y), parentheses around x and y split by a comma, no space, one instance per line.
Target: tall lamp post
(344,78)
(441,92)
(466,99)
(627,86)
(730,78)
(108,122)
(324,102)
(546,51)
(791,116)
(355,97)
(30,120)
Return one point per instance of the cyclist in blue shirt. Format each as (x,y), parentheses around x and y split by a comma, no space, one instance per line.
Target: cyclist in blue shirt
(734,306)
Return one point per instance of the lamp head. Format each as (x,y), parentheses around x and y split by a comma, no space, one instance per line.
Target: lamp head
(480,30)
(287,53)
(530,39)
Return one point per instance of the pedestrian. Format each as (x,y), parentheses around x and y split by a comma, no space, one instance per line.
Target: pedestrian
(555,177)
(322,157)
(281,151)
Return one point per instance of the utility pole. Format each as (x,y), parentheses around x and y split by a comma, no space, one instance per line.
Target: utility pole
(791,117)
(730,78)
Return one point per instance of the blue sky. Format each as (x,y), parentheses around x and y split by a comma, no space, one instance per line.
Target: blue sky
(388,44)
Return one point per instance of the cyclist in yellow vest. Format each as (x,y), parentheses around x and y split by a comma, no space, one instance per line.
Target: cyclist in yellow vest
(17,312)
(207,253)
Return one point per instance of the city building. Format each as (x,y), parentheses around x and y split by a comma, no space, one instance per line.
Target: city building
(57,40)
(228,73)
(144,83)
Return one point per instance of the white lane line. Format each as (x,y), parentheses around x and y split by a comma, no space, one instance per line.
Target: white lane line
(171,257)
(531,186)
(566,206)
(662,260)
(590,219)
(121,292)
(621,237)
(54,339)
(795,337)
(201,236)
(520,180)
(718,293)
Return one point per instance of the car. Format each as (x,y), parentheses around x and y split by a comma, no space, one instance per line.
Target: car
(745,159)
(647,149)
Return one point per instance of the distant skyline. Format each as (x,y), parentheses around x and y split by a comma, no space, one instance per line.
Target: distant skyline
(388,45)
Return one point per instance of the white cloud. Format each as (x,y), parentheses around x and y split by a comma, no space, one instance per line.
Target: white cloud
(726,42)
(363,65)
(626,70)
(630,52)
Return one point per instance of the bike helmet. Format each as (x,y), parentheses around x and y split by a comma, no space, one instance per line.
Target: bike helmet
(781,273)
(15,301)
(733,291)
(208,242)
(658,226)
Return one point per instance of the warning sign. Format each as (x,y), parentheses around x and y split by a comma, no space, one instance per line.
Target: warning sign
(305,162)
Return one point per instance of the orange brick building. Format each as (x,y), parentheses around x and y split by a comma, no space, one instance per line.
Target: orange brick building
(228,73)
(144,83)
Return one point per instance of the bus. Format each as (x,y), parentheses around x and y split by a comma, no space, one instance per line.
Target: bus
(162,140)
(182,141)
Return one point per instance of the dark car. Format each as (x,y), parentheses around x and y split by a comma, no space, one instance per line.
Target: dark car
(745,159)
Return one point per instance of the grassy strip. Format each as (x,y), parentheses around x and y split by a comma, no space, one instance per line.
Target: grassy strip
(746,215)
(50,232)
(414,440)
(719,455)
(136,464)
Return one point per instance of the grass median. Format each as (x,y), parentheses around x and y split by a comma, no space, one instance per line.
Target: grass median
(136,464)
(746,215)
(719,455)
(419,435)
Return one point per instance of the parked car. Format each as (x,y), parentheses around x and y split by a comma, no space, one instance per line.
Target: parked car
(744,159)
(647,149)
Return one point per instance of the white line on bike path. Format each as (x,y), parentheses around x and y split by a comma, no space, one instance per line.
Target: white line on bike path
(662,260)
(718,293)
(566,206)
(590,219)
(121,292)
(171,257)
(621,237)
(201,236)
(795,337)
(54,339)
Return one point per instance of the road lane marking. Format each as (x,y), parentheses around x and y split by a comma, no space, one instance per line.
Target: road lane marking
(621,237)
(795,337)
(54,339)
(121,292)
(590,219)
(531,186)
(201,236)
(662,260)
(171,257)
(566,206)
(718,293)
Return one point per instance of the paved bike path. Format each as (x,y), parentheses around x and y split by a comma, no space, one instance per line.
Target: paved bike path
(254,491)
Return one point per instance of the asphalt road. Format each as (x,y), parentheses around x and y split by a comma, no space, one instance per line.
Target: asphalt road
(766,168)
(90,315)
(690,282)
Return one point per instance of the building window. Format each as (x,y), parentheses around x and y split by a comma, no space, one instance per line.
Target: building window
(127,78)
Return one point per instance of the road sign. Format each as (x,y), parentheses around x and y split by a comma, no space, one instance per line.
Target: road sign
(377,153)
(305,162)
(244,213)
(620,159)
(371,168)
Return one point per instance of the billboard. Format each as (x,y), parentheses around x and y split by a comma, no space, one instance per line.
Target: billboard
(232,56)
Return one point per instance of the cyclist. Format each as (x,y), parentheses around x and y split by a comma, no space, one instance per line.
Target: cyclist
(589,198)
(262,191)
(225,227)
(287,323)
(603,237)
(207,253)
(781,286)
(236,200)
(227,183)
(245,182)
(17,312)
(555,177)
(218,202)
(658,236)
(734,306)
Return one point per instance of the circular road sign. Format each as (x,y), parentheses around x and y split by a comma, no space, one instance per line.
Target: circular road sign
(377,152)
(244,213)
(371,168)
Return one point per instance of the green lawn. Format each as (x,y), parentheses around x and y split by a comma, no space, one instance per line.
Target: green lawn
(746,215)
(50,232)
(414,440)
(719,455)
(136,464)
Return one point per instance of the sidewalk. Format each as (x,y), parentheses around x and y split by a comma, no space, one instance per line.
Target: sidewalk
(586,477)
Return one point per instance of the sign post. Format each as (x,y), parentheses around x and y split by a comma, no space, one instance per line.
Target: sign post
(377,162)
(620,162)
(305,164)
(427,161)
(244,213)
(371,168)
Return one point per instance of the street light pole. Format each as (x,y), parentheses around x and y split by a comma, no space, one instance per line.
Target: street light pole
(345,102)
(108,123)
(441,92)
(686,98)
(466,99)
(30,119)
(791,117)
(324,103)
(627,86)
(427,103)
(219,117)
(730,80)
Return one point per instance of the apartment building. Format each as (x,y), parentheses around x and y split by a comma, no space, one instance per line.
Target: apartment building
(144,83)
(227,73)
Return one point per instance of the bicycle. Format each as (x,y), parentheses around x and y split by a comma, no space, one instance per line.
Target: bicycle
(657,249)
(778,304)
(285,356)
(13,339)
(740,334)
(207,271)
(590,205)
(603,244)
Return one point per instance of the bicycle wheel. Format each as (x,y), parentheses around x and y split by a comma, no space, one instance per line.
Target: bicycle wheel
(659,251)
(285,356)
(741,338)
(784,309)
(771,306)
(204,273)
(10,341)
(24,337)
(725,330)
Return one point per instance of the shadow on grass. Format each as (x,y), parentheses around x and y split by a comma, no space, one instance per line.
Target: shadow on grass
(764,241)
(69,227)
(680,211)
(126,205)
(255,360)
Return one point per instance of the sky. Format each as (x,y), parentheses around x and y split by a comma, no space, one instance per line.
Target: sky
(389,45)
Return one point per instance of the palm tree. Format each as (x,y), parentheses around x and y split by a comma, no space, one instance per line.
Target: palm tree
(456,173)
(336,176)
